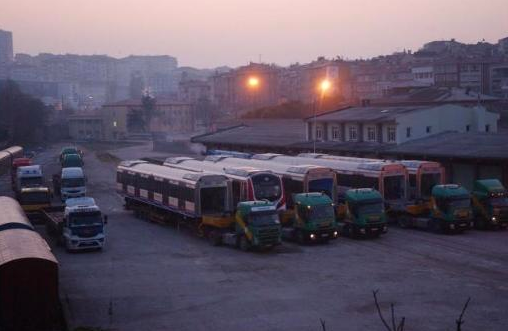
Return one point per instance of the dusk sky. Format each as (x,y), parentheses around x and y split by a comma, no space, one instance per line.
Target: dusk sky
(208,33)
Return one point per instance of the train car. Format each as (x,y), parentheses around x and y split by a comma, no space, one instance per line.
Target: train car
(422,175)
(249,183)
(389,178)
(240,155)
(188,195)
(296,179)
(28,274)
(7,156)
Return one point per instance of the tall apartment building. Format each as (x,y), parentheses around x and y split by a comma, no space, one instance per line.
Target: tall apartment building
(6,48)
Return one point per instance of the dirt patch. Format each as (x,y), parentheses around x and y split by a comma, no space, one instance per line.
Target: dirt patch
(107,157)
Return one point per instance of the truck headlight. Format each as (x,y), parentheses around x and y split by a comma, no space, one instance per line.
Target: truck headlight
(452,226)
(312,236)
(494,219)
(335,233)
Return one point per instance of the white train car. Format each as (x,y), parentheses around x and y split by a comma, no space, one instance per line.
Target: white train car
(389,178)
(248,183)
(190,194)
(295,178)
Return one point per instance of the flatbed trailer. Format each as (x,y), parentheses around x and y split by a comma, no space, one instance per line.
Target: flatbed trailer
(54,218)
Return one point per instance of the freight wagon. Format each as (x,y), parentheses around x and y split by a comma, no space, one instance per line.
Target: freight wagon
(28,274)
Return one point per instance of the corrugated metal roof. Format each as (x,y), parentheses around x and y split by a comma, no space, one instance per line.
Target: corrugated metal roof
(259,133)
(367,114)
(20,244)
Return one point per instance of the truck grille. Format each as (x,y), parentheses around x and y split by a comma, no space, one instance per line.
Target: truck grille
(87,232)
(268,235)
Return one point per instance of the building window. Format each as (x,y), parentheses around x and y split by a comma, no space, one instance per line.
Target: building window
(487,128)
(408,132)
(392,135)
(429,129)
(371,133)
(319,133)
(353,132)
(468,127)
(335,133)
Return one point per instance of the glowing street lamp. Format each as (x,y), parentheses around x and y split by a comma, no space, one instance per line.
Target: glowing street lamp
(253,82)
(324,86)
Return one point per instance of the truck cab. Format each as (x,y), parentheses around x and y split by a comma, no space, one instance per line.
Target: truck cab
(362,213)
(16,163)
(29,176)
(451,208)
(34,199)
(314,218)
(257,225)
(490,204)
(69,150)
(72,161)
(72,183)
(83,224)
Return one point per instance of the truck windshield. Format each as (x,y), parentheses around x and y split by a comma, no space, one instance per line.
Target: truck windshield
(35,198)
(428,181)
(318,212)
(213,200)
(30,181)
(457,203)
(366,208)
(267,187)
(323,185)
(499,201)
(263,218)
(84,219)
(394,187)
(73,182)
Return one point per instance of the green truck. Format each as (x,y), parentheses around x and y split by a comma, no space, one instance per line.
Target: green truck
(490,204)
(362,213)
(314,219)
(69,150)
(256,225)
(449,211)
(72,161)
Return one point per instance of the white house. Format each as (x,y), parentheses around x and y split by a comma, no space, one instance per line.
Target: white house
(397,125)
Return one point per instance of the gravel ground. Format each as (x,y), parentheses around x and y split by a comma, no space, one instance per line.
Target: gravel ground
(155,277)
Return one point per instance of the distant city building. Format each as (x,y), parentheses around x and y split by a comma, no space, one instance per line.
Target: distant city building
(170,117)
(245,88)
(6,48)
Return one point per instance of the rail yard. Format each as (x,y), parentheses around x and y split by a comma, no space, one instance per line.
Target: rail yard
(157,275)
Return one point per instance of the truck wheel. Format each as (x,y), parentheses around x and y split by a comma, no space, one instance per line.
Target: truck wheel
(215,238)
(244,244)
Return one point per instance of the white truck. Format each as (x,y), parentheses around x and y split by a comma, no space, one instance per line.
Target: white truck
(71,183)
(78,225)
(29,176)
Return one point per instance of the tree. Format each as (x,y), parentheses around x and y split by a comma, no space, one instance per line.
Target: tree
(136,121)
(23,117)
(148,106)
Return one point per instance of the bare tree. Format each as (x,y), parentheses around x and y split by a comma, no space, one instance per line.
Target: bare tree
(394,326)
(460,321)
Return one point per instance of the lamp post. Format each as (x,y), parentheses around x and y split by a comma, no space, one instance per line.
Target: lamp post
(323,87)
(252,86)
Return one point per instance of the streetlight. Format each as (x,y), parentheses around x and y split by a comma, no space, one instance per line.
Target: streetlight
(323,87)
(253,82)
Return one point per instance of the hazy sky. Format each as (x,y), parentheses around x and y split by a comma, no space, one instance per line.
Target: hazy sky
(207,33)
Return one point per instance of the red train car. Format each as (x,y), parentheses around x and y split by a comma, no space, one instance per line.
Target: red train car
(28,274)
